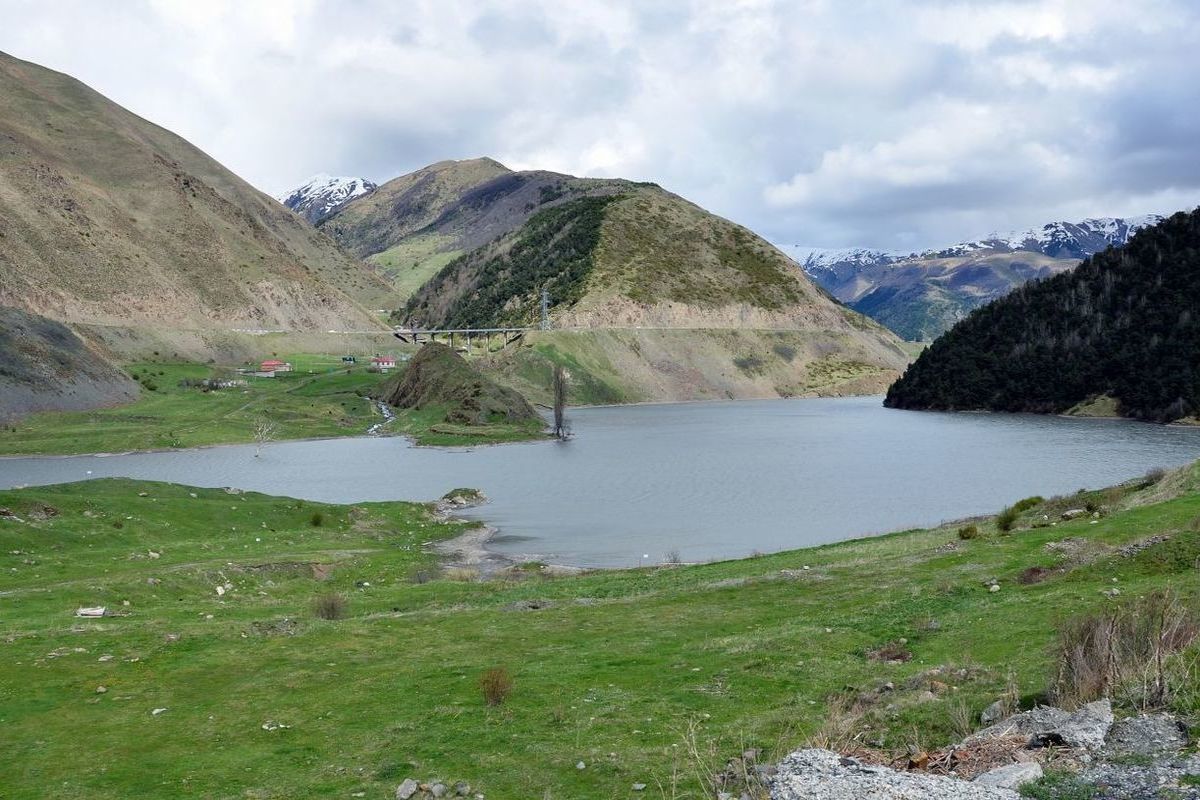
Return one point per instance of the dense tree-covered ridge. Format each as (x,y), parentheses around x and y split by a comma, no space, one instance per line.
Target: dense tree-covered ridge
(1125,323)
(554,250)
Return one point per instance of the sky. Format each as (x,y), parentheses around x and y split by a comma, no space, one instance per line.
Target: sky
(897,124)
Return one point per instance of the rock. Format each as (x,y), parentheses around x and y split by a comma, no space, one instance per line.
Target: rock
(993,713)
(1011,776)
(1072,513)
(157,711)
(822,775)
(1146,735)
(639,787)
(1087,728)
(438,789)
(995,587)
(406,789)
(462,788)
(581,765)
(101,689)
(1026,723)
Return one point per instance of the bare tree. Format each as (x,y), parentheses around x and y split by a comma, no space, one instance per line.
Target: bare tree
(264,431)
(560,402)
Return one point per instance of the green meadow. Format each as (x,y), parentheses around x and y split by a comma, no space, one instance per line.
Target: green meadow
(653,676)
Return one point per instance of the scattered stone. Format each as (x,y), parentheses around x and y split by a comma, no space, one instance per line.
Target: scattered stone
(101,689)
(462,788)
(581,765)
(438,789)
(170,637)
(105,658)
(823,775)
(995,587)
(639,787)
(157,711)
(220,591)
(153,581)
(1072,513)
(1011,776)
(270,725)
(407,789)
(153,553)
(1132,549)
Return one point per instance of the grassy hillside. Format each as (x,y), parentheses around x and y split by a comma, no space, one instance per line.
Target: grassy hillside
(1122,325)
(462,400)
(44,366)
(107,218)
(654,676)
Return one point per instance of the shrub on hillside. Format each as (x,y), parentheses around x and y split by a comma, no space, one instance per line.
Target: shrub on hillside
(496,685)
(330,606)
(1127,652)
(968,532)
(317,519)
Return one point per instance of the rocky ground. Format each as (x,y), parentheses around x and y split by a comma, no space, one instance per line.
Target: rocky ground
(1081,754)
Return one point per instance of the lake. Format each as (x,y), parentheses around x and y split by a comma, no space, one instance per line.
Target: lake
(705,480)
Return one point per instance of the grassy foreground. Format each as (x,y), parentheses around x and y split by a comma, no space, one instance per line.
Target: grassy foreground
(321,398)
(651,676)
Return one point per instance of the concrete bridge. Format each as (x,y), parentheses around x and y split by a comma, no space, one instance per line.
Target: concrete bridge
(463,336)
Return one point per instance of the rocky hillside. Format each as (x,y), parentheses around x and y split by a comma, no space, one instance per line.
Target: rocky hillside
(44,366)
(1120,331)
(437,377)
(324,195)
(106,218)
(921,295)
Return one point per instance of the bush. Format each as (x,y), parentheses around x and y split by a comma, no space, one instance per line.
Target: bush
(785,351)
(1152,477)
(317,519)
(968,532)
(892,651)
(330,606)
(496,685)
(1007,518)
(1125,653)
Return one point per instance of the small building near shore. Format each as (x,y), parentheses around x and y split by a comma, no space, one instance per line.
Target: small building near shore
(384,363)
(274,365)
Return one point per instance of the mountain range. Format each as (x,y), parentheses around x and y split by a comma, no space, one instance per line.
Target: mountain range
(921,295)
(1119,333)
(471,243)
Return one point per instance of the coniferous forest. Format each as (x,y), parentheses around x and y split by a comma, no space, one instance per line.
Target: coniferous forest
(1124,324)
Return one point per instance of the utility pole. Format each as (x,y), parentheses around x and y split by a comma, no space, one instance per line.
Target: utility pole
(545,309)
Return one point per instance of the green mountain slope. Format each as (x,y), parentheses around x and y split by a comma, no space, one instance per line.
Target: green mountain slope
(1123,325)
(106,218)
(414,225)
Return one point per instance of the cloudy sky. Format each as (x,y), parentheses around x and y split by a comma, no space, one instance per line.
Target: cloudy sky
(833,123)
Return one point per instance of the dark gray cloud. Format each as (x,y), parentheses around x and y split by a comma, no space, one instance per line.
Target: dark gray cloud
(898,123)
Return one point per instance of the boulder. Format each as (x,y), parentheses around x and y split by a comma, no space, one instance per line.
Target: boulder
(1086,728)
(1011,776)
(406,789)
(823,775)
(1146,735)
(993,713)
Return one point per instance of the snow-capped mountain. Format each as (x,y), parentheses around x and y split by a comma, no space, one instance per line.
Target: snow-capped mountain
(919,295)
(323,195)
(1061,239)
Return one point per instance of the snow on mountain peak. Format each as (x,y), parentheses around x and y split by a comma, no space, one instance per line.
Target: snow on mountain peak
(323,194)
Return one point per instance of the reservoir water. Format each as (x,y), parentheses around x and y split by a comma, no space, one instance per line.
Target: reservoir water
(705,480)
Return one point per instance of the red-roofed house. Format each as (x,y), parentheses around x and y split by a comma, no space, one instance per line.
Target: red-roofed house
(274,365)
(383,363)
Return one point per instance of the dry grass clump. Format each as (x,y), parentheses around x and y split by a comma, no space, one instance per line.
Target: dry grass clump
(463,574)
(330,606)
(968,532)
(1126,652)
(496,685)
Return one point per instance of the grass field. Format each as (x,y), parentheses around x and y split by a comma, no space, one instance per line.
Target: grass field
(652,676)
(321,398)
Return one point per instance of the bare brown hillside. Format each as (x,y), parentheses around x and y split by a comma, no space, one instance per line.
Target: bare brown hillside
(106,218)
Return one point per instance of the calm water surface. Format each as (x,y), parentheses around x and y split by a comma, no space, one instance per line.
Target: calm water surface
(709,480)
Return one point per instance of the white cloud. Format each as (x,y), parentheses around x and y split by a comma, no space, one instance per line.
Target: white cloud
(898,123)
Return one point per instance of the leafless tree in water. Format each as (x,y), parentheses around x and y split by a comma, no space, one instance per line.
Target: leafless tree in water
(560,403)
